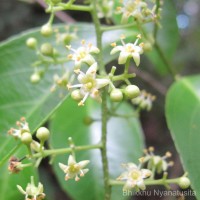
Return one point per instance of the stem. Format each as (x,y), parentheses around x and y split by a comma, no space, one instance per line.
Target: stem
(123,77)
(70,7)
(127,66)
(97,25)
(150,182)
(104,118)
(104,148)
(46,153)
(110,28)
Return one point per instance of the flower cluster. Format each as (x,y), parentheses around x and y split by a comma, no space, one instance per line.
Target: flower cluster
(138,10)
(88,85)
(83,54)
(144,100)
(60,81)
(156,162)
(66,37)
(23,133)
(74,169)
(22,128)
(134,177)
(105,8)
(32,192)
(128,50)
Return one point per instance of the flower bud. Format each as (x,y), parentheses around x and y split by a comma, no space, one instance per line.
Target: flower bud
(35,78)
(131,91)
(46,30)
(184,183)
(26,138)
(46,49)
(116,95)
(76,95)
(31,43)
(147,46)
(42,134)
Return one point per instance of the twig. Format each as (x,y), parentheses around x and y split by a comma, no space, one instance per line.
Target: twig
(60,14)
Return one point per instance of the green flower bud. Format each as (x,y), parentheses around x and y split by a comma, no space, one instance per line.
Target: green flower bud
(184,183)
(88,120)
(76,95)
(42,134)
(26,138)
(35,78)
(131,91)
(47,49)
(147,46)
(46,30)
(31,43)
(116,95)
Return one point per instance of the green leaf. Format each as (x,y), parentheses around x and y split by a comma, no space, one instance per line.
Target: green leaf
(167,37)
(183,114)
(18,96)
(125,144)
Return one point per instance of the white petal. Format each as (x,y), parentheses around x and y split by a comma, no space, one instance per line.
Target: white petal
(145,173)
(83,163)
(85,171)
(125,17)
(136,58)
(21,189)
(102,82)
(94,49)
(77,64)
(62,166)
(129,185)
(138,49)
(123,57)
(71,160)
(81,77)
(141,185)
(92,69)
(123,176)
(89,59)
(81,50)
(116,49)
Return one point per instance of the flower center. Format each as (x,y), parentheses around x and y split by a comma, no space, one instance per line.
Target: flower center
(135,175)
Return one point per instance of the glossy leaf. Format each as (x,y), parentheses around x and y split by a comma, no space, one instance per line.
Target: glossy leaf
(183,114)
(19,97)
(125,144)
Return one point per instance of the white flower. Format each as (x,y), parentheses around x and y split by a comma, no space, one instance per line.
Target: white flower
(74,169)
(60,81)
(32,192)
(105,8)
(128,50)
(134,177)
(155,161)
(89,84)
(83,54)
(22,127)
(137,9)
(144,100)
